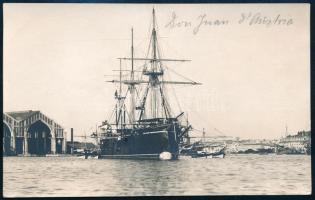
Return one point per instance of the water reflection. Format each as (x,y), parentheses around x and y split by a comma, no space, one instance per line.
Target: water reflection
(243,174)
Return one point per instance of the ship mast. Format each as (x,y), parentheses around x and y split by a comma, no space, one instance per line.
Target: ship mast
(119,99)
(154,77)
(119,107)
(118,96)
(154,84)
(132,86)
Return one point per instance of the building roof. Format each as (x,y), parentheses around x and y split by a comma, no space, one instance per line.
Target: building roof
(24,115)
(21,115)
(304,133)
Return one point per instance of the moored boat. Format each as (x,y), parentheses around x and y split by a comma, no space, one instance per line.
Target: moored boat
(206,150)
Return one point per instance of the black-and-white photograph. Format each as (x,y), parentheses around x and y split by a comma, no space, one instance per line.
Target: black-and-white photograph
(156,99)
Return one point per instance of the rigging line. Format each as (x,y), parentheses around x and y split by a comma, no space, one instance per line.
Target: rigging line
(197,130)
(200,131)
(156,23)
(137,93)
(121,106)
(167,103)
(140,76)
(157,32)
(110,118)
(219,131)
(179,74)
(167,113)
(159,53)
(141,41)
(165,94)
(214,128)
(150,40)
(176,99)
(136,69)
(148,51)
(128,73)
(200,118)
(173,50)
(128,115)
(150,35)
(143,112)
(107,75)
(138,97)
(150,27)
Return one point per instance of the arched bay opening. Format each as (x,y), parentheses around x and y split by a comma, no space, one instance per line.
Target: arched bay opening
(39,138)
(7,150)
(59,143)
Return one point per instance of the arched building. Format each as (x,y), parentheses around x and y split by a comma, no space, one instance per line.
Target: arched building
(32,132)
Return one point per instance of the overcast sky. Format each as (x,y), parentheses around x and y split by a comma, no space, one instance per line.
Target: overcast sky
(255,74)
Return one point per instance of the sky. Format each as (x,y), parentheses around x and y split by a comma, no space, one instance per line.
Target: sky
(253,61)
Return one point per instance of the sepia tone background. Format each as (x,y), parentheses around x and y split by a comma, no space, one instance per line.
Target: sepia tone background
(256,78)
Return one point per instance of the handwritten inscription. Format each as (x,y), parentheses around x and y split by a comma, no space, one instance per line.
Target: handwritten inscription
(201,20)
(245,18)
(259,19)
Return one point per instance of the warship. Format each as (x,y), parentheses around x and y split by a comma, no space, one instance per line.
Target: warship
(142,124)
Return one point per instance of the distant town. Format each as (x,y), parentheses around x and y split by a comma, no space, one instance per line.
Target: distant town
(27,133)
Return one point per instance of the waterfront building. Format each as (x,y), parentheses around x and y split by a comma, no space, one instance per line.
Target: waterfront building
(254,147)
(299,143)
(32,133)
(251,146)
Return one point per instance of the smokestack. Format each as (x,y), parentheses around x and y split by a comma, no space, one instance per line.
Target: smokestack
(72,144)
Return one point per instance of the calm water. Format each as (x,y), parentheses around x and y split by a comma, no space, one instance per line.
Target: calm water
(233,175)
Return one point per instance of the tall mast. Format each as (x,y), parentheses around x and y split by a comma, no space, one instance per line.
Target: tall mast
(154,69)
(154,85)
(116,113)
(132,87)
(119,98)
(203,135)
(132,73)
(120,77)
(154,36)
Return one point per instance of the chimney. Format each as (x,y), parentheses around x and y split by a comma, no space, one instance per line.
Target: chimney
(72,144)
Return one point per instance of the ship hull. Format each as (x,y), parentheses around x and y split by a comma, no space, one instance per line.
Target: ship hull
(146,143)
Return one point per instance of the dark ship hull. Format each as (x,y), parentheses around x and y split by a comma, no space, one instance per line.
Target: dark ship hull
(143,143)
